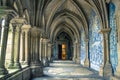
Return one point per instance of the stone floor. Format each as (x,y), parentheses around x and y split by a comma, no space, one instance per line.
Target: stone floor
(68,70)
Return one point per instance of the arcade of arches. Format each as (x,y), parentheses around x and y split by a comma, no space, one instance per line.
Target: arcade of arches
(35,33)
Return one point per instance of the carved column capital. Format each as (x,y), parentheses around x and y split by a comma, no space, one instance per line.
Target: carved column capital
(36,32)
(26,28)
(18,21)
(107,30)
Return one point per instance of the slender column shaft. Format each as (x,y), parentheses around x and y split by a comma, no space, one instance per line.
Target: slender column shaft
(78,53)
(3,46)
(23,47)
(45,53)
(17,47)
(86,62)
(12,47)
(75,52)
(45,49)
(49,51)
(37,50)
(0,32)
(27,47)
(41,54)
(31,50)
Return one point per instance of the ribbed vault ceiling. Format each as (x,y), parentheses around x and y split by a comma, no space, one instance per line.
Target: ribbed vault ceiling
(55,15)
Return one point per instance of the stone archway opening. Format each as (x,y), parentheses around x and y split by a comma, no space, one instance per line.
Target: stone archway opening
(63,47)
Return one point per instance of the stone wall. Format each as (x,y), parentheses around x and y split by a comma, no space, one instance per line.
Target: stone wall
(21,75)
(83,49)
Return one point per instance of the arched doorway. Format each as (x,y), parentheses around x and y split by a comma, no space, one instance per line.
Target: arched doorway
(63,47)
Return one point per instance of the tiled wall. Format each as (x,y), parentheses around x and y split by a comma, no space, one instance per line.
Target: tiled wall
(95,42)
(113,36)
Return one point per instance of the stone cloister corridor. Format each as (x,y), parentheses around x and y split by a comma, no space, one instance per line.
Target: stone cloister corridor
(59,40)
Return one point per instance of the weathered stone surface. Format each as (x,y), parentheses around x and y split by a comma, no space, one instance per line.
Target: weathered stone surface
(36,71)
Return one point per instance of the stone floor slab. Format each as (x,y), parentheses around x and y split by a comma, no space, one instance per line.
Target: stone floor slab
(68,70)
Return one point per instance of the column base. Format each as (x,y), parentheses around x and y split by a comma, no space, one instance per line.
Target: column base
(36,71)
(86,63)
(117,74)
(3,71)
(17,66)
(107,71)
(45,62)
(78,61)
(74,59)
(35,63)
(26,63)
(11,66)
(51,60)
(101,70)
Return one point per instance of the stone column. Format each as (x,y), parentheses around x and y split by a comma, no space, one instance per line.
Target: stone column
(118,45)
(26,30)
(0,32)
(86,62)
(78,53)
(35,33)
(4,2)
(17,64)
(18,22)
(23,47)
(36,67)
(118,67)
(74,52)
(41,51)
(3,46)
(49,51)
(52,51)
(45,52)
(37,49)
(31,49)
(11,65)
(107,69)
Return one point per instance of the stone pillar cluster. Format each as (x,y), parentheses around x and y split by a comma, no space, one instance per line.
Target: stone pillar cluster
(35,61)
(86,62)
(15,48)
(107,69)
(35,37)
(26,44)
(78,53)
(44,51)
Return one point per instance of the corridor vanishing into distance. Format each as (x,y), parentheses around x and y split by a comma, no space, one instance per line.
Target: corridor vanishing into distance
(68,70)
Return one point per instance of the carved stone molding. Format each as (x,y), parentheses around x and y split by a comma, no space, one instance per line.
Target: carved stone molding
(18,21)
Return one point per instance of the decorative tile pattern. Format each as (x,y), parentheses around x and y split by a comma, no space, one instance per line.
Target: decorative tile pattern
(95,42)
(113,37)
